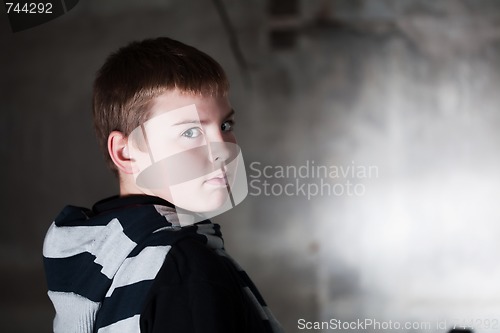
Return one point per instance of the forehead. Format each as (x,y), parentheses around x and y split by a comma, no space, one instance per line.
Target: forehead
(176,104)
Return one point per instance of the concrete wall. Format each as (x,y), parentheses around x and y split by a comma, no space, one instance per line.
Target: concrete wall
(397,100)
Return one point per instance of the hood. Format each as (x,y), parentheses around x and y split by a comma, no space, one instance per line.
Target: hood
(84,250)
(94,242)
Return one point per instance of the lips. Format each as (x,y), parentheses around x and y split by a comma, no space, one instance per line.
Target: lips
(218,180)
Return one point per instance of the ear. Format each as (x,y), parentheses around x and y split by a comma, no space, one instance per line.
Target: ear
(119,152)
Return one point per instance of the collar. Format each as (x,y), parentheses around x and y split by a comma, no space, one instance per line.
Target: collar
(118,202)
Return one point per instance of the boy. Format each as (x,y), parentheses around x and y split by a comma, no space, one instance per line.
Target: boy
(148,260)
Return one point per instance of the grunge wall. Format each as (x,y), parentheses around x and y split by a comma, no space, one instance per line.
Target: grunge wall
(406,88)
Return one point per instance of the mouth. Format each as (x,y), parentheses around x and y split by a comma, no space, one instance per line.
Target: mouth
(218,180)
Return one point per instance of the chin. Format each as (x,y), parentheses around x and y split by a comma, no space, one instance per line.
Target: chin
(206,205)
(197,197)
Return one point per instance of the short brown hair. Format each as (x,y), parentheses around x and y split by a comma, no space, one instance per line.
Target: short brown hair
(136,74)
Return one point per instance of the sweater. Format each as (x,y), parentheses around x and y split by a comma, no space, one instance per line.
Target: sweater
(127,266)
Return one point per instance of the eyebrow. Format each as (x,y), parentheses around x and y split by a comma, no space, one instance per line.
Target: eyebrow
(203,122)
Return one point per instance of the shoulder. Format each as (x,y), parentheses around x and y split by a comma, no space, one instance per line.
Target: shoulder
(194,291)
(190,261)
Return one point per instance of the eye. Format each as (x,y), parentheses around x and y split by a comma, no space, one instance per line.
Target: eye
(192,133)
(227,126)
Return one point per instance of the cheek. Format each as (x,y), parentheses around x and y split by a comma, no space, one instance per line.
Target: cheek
(187,165)
(188,144)
(194,159)
(162,149)
(230,138)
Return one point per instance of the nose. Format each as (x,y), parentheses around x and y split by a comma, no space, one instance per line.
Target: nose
(220,153)
(220,150)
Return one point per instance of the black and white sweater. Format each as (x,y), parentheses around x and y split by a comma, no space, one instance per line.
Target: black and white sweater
(126,266)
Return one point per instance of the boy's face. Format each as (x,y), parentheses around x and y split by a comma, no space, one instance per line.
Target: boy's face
(186,153)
